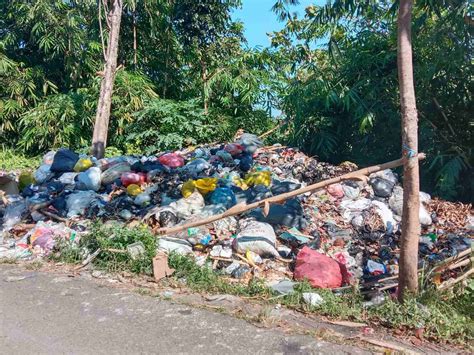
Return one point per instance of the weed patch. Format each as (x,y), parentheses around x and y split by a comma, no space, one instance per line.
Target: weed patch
(447,317)
(10,160)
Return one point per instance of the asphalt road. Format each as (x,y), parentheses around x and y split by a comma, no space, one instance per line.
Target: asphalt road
(47,313)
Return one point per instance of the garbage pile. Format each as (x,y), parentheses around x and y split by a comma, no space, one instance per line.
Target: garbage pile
(344,234)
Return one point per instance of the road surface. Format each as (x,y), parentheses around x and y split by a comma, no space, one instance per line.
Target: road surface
(48,313)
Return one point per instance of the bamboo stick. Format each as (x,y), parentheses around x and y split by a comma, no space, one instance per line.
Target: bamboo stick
(452,282)
(243,207)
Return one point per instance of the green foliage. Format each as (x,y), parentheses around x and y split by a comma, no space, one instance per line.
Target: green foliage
(342,98)
(11,160)
(204,279)
(58,121)
(439,317)
(344,306)
(171,125)
(118,238)
(332,74)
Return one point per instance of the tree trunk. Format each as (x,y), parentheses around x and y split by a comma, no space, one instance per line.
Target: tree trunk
(134,35)
(101,126)
(204,86)
(408,280)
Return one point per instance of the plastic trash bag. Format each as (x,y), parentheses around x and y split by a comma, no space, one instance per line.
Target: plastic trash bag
(257,193)
(290,214)
(206,185)
(128,178)
(320,270)
(171,160)
(257,237)
(134,190)
(225,156)
(350,191)
(25,179)
(234,149)
(186,207)
(281,187)
(259,178)
(335,190)
(142,199)
(196,167)
(375,268)
(89,179)
(64,161)
(49,157)
(114,172)
(250,142)
(77,202)
(68,179)
(246,162)
(148,166)
(396,204)
(82,165)
(43,173)
(188,188)
(381,187)
(13,213)
(179,246)
(386,174)
(223,196)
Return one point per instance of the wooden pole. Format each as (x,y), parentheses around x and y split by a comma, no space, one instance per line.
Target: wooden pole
(243,207)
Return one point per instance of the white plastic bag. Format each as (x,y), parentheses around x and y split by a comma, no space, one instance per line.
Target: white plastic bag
(43,173)
(257,237)
(77,202)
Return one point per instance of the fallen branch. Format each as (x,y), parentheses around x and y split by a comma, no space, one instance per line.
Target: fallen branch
(267,133)
(243,207)
(54,216)
(452,282)
(89,259)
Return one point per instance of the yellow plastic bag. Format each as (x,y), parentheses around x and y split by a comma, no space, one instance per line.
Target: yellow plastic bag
(206,185)
(82,165)
(188,188)
(259,178)
(26,178)
(134,190)
(239,182)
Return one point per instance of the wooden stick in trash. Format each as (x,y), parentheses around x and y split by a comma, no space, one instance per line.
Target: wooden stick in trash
(243,207)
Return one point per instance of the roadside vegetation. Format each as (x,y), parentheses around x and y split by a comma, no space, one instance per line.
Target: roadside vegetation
(447,316)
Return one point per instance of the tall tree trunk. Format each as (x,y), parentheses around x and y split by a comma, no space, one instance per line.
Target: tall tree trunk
(204,79)
(101,126)
(134,35)
(408,279)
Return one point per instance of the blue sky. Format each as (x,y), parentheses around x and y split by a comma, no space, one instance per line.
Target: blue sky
(258,19)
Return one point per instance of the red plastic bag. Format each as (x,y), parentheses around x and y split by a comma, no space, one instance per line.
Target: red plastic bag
(335,190)
(234,149)
(320,270)
(171,160)
(129,178)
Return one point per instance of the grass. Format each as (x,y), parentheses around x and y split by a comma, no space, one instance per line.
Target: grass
(111,240)
(204,279)
(11,160)
(442,316)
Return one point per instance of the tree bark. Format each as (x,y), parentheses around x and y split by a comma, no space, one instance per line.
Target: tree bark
(411,181)
(204,79)
(134,35)
(101,126)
